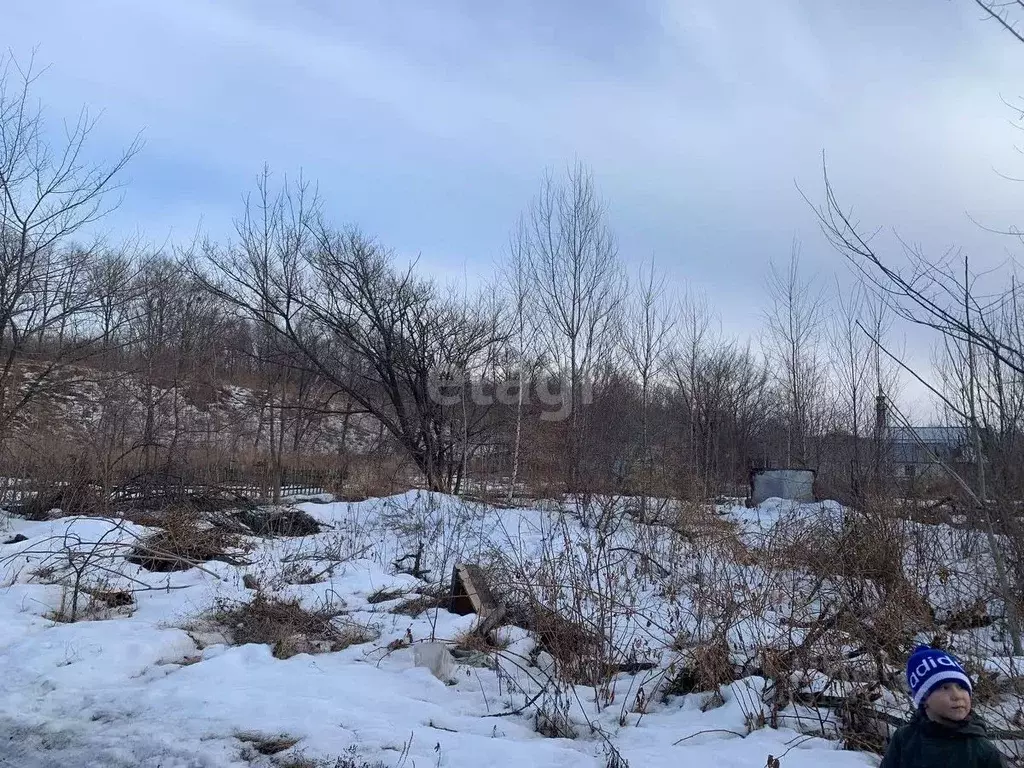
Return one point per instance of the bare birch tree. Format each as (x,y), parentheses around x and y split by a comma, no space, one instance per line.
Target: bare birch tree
(515,276)
(578,284)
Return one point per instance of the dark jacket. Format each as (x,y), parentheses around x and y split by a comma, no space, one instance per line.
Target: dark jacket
(926,744)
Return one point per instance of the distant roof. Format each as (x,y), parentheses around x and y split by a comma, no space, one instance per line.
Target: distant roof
(949,436)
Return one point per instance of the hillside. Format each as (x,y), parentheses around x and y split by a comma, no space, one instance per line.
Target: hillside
(105,429)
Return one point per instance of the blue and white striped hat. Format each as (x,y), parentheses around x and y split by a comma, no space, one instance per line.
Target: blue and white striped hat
(928,668)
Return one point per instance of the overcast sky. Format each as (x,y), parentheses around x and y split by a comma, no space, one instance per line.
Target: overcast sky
(430,124)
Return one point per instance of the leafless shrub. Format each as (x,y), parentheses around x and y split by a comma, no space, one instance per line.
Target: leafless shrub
(843,599)
(74,498)
(90,571)
(583,596)
(704,668)
(440,530)
(92,603)
(313,561)
(148,495)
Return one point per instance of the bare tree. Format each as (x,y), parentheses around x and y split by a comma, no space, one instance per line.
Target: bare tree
(851,368)
(515,276)
(112,277)
(646,341)
(173,333)
(394,344)
(721,399)
(941,295)
(1006,12)
(578,285)
(794,328)
(48,194)
(688,358)
(859,325)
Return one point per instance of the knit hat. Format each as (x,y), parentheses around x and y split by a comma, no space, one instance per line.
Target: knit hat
(928,668)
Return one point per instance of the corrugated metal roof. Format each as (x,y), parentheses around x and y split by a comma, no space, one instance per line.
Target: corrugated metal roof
(945,436)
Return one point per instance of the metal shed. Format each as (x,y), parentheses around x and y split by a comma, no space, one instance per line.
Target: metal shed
(790,484)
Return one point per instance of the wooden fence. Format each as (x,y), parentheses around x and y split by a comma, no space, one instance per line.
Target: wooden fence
(255,484)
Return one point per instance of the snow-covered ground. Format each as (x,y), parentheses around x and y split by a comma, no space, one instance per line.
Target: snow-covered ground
(155,684)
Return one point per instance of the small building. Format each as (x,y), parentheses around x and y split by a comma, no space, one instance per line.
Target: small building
(789,484)
(920,452)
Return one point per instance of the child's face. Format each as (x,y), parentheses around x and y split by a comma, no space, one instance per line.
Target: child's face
(950,701)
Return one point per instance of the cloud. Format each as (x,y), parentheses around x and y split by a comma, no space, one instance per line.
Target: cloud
(430,125)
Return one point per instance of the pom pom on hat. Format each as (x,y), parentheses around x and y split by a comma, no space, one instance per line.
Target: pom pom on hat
(928,668)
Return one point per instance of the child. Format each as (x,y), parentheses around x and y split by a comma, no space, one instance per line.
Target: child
(944,732)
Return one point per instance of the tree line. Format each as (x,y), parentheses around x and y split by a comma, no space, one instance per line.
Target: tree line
(566,372)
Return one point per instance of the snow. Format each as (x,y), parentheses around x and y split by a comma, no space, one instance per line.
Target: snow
(133,687)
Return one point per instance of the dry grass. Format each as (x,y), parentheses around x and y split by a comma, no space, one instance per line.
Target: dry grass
(421,603)
(701,669)
(374,477)
(696,520)
(384,595)
(184,541)
(267,745)
(581,654)
(288,627)
(301,761)
(471,640)
(302,574)
(865,547)
(92,604)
